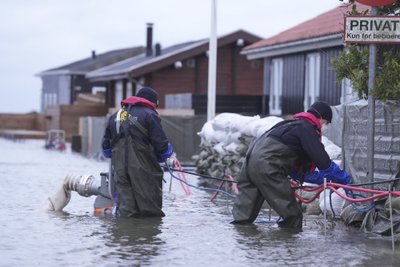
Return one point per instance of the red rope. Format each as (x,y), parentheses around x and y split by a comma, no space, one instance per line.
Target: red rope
(334,187)
(234,187)
(182,176)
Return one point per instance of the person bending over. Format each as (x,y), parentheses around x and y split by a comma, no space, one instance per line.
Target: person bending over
(291,147)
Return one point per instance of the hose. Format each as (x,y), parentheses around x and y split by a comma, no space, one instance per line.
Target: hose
(84,185)
(198,187)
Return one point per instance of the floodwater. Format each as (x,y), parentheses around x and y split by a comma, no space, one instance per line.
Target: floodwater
(195,231)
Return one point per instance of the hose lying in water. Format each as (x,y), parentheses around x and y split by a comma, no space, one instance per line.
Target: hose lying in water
(84,185)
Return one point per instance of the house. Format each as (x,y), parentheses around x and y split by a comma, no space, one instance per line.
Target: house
(67,95)
(62,85)
(297,63)
(180,73)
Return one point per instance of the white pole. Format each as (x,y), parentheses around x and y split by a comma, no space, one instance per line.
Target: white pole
(212,63)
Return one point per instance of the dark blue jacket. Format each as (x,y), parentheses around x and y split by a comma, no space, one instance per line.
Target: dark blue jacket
(304,139)
(148,119)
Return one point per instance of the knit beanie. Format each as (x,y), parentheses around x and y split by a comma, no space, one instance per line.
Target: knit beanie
(321,110)
(149,94)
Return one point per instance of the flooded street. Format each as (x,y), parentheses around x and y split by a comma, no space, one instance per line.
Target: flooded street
(195,231)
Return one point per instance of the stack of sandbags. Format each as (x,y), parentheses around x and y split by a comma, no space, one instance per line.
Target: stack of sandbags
(225,140)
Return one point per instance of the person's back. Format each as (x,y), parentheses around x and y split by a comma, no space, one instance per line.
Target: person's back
(138,144)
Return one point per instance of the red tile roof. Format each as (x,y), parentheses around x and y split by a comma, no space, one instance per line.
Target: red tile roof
(330,22)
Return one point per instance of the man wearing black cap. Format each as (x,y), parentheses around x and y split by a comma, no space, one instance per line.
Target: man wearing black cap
(135,141)
(292,148)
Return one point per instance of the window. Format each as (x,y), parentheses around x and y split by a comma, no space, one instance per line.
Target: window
(98,89)
(312,79)
(275,97)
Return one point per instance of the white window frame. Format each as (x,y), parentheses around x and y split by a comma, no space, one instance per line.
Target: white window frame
(312,79)
(118,93)
(129,91)
(347,93)
(275,96)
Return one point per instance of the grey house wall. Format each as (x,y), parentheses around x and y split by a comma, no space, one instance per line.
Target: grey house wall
(330,89)
(293,84)
(56,87)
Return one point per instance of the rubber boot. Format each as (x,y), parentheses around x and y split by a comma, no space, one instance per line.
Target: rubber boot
(291,223)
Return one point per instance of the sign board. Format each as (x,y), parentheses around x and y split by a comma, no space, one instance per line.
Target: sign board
(367,29)
(376,2)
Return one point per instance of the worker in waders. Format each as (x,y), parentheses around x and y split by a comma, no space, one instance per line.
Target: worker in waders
(136,143)
(291,147)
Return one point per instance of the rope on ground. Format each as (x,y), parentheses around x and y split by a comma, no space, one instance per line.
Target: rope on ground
(197,187)
(204,176)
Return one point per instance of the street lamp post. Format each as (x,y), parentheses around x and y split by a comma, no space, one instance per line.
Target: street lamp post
(212,63)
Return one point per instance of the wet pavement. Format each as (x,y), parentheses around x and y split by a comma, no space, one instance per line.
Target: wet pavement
(195,231)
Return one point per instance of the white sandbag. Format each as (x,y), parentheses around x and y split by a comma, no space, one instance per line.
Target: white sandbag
(232,147)
(231,121)
(337,201)
(251,128)
(235,137)
(267,124)
(220,137)
(206,131)
(239,123)
(222,121)
(334,151)
(219,149)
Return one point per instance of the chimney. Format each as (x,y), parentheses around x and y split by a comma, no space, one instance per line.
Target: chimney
(158,49)
(93,54)
(149,43)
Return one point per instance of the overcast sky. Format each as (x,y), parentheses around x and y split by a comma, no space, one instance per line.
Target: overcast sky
(43,34)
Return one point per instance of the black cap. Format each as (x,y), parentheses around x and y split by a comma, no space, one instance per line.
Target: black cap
(149,94)
(321,110)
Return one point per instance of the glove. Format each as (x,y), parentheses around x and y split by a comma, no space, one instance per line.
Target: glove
(336,175)
(162,157)
(333,174)
(107,153)
(314,178)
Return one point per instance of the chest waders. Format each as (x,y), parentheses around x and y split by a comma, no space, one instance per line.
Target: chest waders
(264,177)
(138,176)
